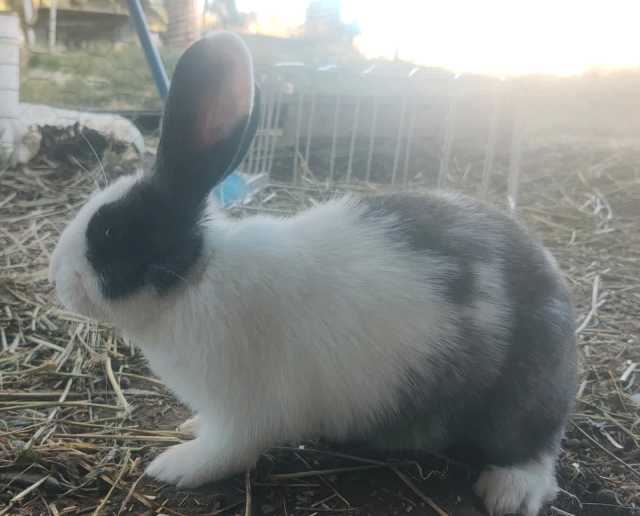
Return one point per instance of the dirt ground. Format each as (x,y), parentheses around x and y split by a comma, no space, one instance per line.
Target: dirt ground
(80,414)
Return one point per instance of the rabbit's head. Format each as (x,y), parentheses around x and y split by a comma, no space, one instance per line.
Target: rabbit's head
(134,242)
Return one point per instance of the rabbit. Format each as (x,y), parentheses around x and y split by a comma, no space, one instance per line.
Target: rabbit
(408,321)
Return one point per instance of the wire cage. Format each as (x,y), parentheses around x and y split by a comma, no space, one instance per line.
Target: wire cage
(343,126)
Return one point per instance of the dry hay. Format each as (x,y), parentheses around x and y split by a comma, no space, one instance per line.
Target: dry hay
(80,414)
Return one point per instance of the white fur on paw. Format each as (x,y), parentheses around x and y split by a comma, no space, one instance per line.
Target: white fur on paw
(519,489)
(183,465)
(191,426)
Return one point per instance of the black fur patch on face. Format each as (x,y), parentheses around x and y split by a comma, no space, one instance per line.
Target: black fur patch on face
(143,238)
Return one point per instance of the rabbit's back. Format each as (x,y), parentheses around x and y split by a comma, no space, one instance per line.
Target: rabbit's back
(504,382)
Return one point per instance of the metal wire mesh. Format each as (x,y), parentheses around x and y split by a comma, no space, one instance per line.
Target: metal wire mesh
(341,126)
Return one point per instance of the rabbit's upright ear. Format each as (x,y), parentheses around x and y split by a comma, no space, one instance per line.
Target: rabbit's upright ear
(210,116)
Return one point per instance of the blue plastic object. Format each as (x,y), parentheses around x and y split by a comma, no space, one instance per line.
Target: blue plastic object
(238,188)
(232,189)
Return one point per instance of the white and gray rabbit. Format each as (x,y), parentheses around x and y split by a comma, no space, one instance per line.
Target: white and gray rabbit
(405,321)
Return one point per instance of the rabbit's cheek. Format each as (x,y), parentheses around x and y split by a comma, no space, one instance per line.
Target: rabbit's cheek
(73,292)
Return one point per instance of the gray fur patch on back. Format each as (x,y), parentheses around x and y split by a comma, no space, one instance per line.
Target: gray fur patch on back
(504,384)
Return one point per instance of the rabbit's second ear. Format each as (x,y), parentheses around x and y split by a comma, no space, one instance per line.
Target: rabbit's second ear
(208,114)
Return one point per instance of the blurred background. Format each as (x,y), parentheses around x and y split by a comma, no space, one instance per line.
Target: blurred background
(531,105)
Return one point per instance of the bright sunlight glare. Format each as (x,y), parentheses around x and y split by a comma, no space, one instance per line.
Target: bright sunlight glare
(500,37)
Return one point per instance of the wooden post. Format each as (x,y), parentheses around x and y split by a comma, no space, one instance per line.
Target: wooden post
(516,156)
(27,7)
(183,22)
(53,14)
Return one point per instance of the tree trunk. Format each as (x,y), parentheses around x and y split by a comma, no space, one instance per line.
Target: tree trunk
(27,21)
(183,22)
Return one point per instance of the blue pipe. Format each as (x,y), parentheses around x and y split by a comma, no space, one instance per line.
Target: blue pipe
(150,51)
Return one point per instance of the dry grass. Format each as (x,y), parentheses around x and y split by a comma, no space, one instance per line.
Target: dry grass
(80,414)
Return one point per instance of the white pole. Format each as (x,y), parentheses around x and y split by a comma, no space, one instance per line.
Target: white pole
(487,168)
(9,83)
(53,14)
(516,157)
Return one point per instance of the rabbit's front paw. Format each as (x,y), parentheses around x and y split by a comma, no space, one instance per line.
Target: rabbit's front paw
(187,465)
